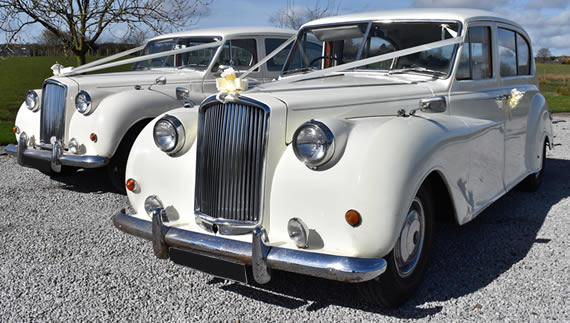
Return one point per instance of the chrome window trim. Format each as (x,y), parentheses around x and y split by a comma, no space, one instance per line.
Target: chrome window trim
(227,226)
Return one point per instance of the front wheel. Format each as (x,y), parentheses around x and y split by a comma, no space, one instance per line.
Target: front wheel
(408,260)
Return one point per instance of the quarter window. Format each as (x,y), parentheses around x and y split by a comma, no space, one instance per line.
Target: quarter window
(523,56)
(475,60)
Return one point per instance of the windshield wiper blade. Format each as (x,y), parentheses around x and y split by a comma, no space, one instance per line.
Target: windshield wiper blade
(416,69)
(191,65)
(300,69)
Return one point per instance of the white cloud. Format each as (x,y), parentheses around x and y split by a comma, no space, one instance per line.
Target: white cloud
(539,4)
(480,4)
(549,32)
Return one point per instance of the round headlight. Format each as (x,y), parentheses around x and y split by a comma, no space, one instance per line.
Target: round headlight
(169,134)
(83,102)
(32,101)
(313,143)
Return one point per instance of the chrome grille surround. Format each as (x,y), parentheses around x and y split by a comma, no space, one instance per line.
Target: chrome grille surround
(52,111)
(230,165)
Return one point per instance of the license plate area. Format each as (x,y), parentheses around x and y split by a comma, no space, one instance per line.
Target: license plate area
(213,266)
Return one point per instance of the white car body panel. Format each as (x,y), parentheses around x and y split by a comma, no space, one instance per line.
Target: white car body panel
(479,147)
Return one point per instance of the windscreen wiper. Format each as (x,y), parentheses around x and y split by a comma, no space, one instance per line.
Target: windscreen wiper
(300,69)
(418,69)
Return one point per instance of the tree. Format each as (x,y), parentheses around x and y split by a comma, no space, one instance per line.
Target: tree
(544,54)
(293,16)
(79,24)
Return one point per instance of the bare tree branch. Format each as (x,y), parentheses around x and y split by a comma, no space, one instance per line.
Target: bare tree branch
(80,23)
(292,16)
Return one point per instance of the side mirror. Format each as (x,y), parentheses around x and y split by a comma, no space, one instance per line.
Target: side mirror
(182,93)
(161,80)
(433,105)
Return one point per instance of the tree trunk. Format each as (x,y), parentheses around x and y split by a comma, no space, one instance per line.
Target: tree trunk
(81,58)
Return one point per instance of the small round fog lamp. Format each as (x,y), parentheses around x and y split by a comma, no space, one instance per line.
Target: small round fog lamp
(73,146)
(152,203)
(298,232)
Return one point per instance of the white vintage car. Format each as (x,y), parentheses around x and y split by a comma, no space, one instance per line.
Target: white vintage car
(90,121)
(342,167)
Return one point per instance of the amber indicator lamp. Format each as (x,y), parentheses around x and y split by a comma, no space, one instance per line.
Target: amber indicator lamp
(353,218)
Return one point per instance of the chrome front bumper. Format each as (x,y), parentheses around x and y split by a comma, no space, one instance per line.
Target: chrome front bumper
(55,156)
(261,257)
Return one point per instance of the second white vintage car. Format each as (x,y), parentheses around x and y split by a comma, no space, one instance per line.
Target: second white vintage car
(89,121)
(341,169)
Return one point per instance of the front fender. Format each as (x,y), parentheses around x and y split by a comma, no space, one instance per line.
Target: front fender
(115,115)
(28,121)
(156,172)
(384,164)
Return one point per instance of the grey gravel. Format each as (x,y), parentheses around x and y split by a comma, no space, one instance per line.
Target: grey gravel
(62,260)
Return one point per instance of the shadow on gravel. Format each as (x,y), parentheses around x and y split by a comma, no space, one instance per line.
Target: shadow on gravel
(84,181)
(465,259)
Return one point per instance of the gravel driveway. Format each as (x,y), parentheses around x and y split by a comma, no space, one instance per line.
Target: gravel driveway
(62,260)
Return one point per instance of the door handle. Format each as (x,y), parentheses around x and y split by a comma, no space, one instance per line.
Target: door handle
(502,97)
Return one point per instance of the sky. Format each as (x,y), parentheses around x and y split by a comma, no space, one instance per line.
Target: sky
(547,21)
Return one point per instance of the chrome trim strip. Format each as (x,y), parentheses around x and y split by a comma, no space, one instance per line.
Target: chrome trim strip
(64,159)
(339,268)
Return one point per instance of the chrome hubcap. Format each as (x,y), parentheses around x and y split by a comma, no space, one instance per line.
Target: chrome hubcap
(409,245)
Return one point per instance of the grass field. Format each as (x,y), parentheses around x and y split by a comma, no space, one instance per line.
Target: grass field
(19,74)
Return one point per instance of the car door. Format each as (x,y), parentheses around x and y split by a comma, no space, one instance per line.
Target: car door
(475,96)
(241,54)
(515,74)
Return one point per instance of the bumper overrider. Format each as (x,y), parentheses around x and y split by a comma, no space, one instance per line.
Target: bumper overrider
(228,258)
(55,156)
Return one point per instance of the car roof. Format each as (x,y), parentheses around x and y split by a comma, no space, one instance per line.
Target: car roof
(460,14)
(227,32)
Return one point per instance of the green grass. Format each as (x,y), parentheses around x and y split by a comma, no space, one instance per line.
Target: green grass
(554,83)
(20,74)
(6,134)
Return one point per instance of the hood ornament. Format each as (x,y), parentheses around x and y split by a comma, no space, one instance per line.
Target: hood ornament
(229,86)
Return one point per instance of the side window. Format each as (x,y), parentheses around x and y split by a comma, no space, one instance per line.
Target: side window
(276,63)
(241,53)
(475,60)
(507,52)
(523,56)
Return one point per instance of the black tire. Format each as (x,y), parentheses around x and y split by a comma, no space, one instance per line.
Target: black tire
(401,280)
(532,182)
(118,163)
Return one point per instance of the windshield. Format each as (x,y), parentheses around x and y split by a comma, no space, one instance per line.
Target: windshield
(324,47)
(199,59)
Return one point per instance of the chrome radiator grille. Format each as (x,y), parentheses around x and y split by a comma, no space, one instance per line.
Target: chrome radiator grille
(52,112)
(230,161)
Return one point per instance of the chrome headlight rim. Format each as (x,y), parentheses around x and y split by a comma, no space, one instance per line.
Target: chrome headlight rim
(87,101)
(328,144)
(34,96)
(179,131)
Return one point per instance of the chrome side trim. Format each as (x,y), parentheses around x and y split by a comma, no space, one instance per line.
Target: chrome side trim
(339,268)
(23,153)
